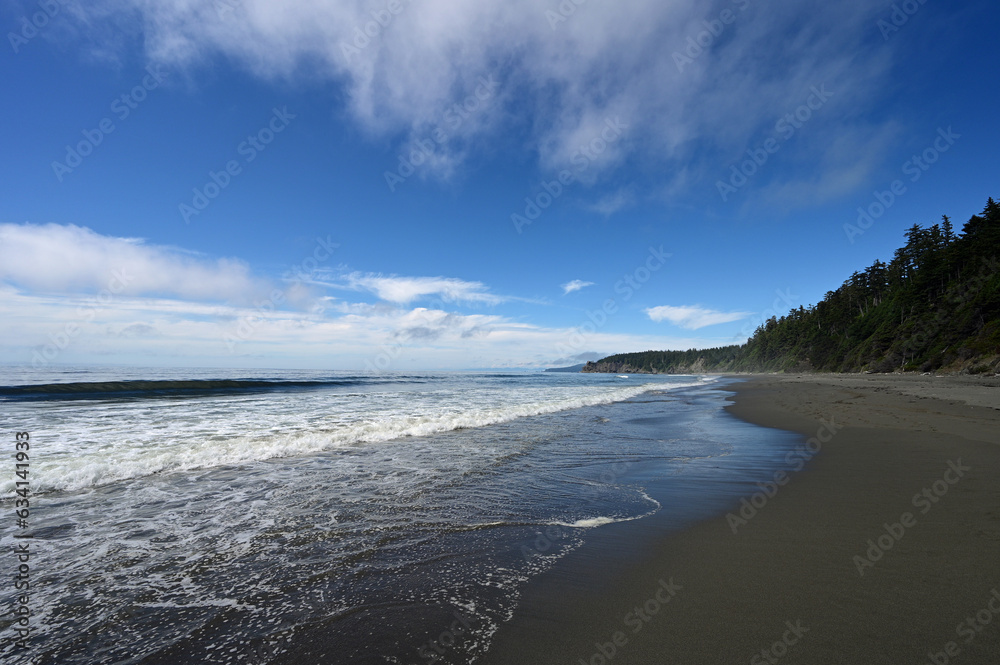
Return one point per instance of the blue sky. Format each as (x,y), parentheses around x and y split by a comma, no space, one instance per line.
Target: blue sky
(494,184)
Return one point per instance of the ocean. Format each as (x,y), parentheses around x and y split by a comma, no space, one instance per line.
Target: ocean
(234,516)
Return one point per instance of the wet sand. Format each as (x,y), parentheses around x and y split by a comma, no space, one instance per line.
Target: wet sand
(884,548)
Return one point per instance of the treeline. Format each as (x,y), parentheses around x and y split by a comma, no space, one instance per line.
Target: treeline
(934,306)
(692,361)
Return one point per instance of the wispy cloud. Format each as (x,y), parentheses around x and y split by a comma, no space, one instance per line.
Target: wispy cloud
(404,290)
(693,318)
(181,308)
(575,285)
(66,259)
(614,202)
(605,60)
(157,331)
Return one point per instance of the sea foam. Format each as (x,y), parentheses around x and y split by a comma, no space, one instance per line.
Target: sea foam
(113,442)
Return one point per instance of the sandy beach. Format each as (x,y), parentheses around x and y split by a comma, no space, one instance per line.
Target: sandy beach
(883,548)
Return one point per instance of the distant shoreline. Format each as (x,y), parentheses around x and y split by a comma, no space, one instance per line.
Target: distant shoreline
(627,369)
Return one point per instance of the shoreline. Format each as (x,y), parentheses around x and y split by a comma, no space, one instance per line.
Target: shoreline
(876,551)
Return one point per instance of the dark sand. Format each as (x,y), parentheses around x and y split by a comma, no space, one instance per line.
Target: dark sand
(794,560)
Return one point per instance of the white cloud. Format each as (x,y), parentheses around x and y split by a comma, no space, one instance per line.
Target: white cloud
(693,318)
(59,302)
(404,290)
(614,202)
(347,336)
(606,60)
(576,359)
(575,285)
(53,258)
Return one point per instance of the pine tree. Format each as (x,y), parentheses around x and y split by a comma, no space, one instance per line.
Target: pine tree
(947,228)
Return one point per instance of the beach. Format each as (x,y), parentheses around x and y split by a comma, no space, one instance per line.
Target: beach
(883,548)
(213,516)
(453,518)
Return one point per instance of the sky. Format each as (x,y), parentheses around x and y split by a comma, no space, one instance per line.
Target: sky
(392,185)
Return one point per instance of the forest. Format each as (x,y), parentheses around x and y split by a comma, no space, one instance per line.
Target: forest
(934,307)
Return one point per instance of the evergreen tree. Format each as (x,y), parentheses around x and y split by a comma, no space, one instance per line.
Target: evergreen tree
(935,304)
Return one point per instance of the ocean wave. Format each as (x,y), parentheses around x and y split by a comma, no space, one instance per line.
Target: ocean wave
(174,388)
(592,522)
(101,465)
